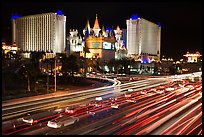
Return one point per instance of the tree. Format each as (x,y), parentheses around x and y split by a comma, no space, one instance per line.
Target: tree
(124,63)
(111,64)
(117,65)
(72,64)
(47,62)
(28,71)
(35,58)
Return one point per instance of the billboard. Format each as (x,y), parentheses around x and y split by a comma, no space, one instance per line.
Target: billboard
(96,45)
(106,45)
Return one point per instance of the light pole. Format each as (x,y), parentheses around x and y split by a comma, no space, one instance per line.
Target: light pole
(55,72)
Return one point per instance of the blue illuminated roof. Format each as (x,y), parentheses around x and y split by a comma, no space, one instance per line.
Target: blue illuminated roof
(159,25)
(59,12)
(15,17)
(135,17)
(145,59)
(108,29)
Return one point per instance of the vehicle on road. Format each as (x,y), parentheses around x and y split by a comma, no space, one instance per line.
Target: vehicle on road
(131,100)
(71,110)
(130,90)
(62,120)
(114,105)
(28,120)
(127,95)
(90,112)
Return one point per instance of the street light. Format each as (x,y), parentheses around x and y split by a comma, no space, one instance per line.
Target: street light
(55,72)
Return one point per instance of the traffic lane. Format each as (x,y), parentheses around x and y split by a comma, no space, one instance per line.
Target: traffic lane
(117,123)
(83,129)
(173,123)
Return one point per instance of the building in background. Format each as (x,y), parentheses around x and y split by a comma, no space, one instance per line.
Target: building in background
(143,39)
(120,50)
(124,37)
(9,51)
(75,42)
(40,32)
(192,57)
(99,44)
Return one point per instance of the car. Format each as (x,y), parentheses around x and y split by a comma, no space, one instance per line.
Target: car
(90,112)
(113,99)
(141,92)
(169,89)
(130,90)
(130,100)
(127,95)
(114,105)
(58,110)
(62,120)
(160,91)
(153,89)
(28,120)
(99,98)
(71,109)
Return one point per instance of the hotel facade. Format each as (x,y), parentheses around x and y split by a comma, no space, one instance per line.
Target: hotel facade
(40,32)
(143,39)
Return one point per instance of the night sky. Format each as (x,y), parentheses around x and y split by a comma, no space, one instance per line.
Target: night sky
(180,21)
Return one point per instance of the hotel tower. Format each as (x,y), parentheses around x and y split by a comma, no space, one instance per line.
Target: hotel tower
(40,32)
(143,39)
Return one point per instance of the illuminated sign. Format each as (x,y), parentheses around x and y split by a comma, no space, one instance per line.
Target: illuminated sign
(96,44)
(106,45)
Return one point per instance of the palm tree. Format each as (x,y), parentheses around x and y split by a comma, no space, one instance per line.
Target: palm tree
(117,65)
(35,60)
(27,71)
(73,64)
(47,62)
(124,63)
(111,64)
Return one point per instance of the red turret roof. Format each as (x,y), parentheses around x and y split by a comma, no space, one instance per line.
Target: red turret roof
(96,25)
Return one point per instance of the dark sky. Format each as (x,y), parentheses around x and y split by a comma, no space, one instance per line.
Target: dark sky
(180,21)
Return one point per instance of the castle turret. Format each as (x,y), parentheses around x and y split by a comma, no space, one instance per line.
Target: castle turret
(118,33)
(96,27)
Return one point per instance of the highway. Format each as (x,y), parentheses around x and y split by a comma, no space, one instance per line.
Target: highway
(154,106)
(10,109)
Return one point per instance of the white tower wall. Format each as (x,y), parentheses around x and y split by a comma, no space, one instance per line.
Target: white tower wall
(41,32)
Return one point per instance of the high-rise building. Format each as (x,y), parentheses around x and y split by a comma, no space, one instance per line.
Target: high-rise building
(143,39)
(40,32)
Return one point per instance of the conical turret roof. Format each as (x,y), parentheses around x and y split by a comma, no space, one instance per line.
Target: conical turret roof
(96,24)
(88,26)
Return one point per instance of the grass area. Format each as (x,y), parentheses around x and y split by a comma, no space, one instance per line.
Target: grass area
(17,88)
